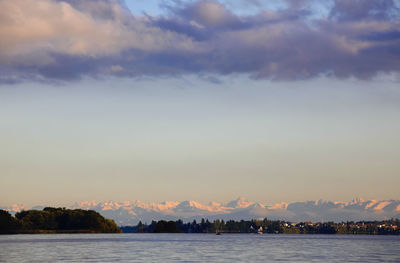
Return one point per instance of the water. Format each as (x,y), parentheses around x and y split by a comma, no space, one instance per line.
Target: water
(198,248)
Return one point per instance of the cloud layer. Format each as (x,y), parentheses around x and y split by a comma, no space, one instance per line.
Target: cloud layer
(65,40)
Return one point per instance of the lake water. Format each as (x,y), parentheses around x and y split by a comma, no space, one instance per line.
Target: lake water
(198,248)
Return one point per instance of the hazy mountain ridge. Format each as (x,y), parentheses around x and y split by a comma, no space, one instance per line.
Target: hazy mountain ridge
(131,212)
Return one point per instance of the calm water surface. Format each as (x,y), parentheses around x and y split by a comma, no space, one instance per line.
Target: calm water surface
(198,248)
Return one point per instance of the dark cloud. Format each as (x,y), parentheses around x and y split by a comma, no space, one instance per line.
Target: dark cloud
(77,38)
(100,9)
(356,10)
(382,36)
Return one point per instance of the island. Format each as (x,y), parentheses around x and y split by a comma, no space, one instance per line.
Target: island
(56,220)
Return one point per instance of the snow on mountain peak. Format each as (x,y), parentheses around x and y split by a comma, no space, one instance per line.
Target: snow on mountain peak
(14,208)
(381,205)
(240,202)
(282,205)
(357,200)
(131,212)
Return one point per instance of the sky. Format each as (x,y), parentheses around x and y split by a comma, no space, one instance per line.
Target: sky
(199,100)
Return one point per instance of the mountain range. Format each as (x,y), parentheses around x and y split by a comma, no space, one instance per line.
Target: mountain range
(131,212)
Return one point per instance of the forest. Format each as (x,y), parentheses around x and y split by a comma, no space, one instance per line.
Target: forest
(62,220)
(56,220)
(387,227)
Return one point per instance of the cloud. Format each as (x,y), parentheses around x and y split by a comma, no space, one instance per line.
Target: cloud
(207,14)
(364,9)
(65,40)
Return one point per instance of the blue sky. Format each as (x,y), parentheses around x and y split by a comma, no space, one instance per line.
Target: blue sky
(240,7)
(200,100)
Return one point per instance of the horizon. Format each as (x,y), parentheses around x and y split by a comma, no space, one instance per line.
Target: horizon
(209,202)
(278,101)
(131,212)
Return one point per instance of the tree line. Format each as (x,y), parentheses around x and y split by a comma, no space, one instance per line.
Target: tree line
(56,220)
(387,227)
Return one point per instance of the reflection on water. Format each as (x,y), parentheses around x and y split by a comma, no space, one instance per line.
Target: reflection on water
(198,248)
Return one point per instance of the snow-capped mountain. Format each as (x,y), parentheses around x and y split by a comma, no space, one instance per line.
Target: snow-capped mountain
(131,212)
